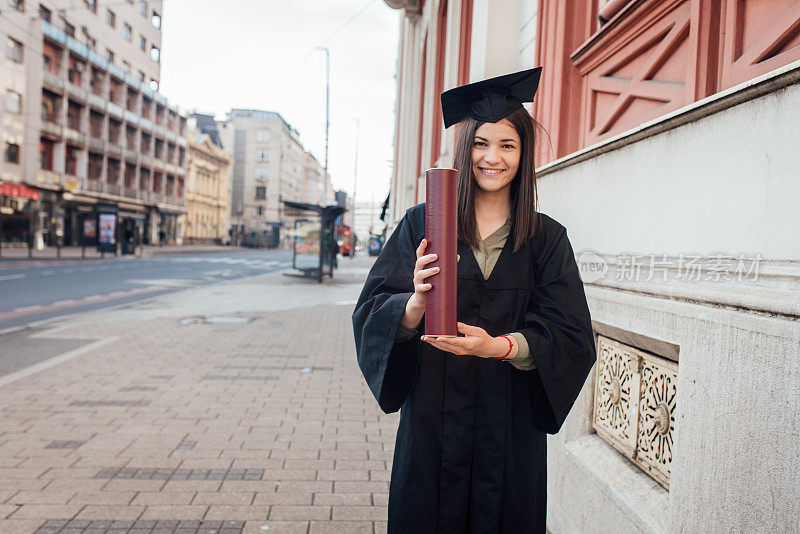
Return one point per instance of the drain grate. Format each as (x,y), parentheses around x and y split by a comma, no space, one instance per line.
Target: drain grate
(140,527)
(153,473)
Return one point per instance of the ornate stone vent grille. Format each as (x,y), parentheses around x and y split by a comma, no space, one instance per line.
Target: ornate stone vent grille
(634,405)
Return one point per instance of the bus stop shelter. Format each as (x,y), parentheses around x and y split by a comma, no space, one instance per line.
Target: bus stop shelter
(314,238)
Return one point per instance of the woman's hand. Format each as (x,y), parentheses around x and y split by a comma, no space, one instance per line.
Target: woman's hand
(476,342)
(415,307)
(421,273)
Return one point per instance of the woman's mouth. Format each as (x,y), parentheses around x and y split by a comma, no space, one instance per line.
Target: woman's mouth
(490,172)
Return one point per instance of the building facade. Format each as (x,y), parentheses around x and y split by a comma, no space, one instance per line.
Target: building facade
(207,191)
(671,161)
(84,125)
(270,166)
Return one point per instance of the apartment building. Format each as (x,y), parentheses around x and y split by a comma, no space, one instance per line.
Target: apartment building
(84,126)
(270,166)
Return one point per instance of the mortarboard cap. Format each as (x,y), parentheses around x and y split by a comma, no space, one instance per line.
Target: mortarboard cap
(490,100)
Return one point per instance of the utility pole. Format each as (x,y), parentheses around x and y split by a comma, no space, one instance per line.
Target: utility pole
(355,181)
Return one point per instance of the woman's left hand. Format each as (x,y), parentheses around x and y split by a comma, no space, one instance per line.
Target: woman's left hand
(476,342)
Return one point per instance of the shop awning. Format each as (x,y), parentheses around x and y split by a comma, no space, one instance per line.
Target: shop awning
(171,211)
(131,215)
(14,189)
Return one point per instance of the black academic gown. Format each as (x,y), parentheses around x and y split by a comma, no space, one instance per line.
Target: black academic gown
(470,455)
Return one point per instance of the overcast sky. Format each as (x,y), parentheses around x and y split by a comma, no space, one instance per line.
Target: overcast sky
(217,55)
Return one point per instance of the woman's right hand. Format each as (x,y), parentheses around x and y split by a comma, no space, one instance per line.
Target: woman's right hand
(421,273)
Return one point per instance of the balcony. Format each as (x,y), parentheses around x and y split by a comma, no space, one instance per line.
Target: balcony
(146,124)
(116,72)
(130,193)
(156,197)
(98,60)
(74,137)
(113,189)
(96,144)
(53,82)
(115,110)
(132,80)
(114,150)
(94,185)
(79,48)
(52,129)
(48,177)
(76,92)
(53,33)
(97,102)
(131,155)
(131,117)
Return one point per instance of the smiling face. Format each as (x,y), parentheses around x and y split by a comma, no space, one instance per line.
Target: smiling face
(496,150)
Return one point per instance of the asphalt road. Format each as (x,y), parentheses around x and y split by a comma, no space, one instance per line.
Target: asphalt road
(30,294)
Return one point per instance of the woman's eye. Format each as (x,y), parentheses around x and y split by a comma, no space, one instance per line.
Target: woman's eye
(478,143)
(509,146)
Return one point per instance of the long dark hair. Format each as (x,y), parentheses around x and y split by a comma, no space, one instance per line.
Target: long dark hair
(524,200)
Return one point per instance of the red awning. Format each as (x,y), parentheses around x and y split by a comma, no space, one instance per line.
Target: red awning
(13,189)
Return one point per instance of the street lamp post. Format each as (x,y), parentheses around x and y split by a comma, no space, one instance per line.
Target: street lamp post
(355,180)
(327,114)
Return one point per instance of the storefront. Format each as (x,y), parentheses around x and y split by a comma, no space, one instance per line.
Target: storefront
(16,205)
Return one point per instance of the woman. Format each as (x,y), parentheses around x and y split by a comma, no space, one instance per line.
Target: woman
(470,454)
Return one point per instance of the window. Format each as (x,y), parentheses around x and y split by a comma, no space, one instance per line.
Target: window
(153,85)
(90,42)
(262,135)
(13,102)
(126,67)
(261,192)
(258,211)
(141,75)
(111,18)
(14,50)
(46,63)
(44,13)
(12,153)
(110,55)
(143,8)
(142,43)
(91,4)
(19,5)
(155,54)
(262,155)
(69,29)
(262,173)
(156,20)
(126,31)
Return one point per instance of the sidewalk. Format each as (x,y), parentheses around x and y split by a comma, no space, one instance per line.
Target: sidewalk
(236,407)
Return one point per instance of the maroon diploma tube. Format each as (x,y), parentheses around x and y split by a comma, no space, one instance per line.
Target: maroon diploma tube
(441,231)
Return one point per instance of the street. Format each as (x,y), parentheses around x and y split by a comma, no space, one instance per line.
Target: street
(216,404)
(36,290)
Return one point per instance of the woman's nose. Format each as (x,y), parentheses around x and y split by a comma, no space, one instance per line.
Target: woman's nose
(490,155)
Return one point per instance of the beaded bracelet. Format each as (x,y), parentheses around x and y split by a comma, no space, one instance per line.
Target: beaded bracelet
(510,347)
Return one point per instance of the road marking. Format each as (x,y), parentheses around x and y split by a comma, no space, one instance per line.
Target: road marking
(12,277)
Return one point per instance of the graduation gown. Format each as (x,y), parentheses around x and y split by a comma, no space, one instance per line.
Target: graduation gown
(470,454)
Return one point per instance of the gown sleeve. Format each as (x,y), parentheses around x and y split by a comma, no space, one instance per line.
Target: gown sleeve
(389,365)
(558,328)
